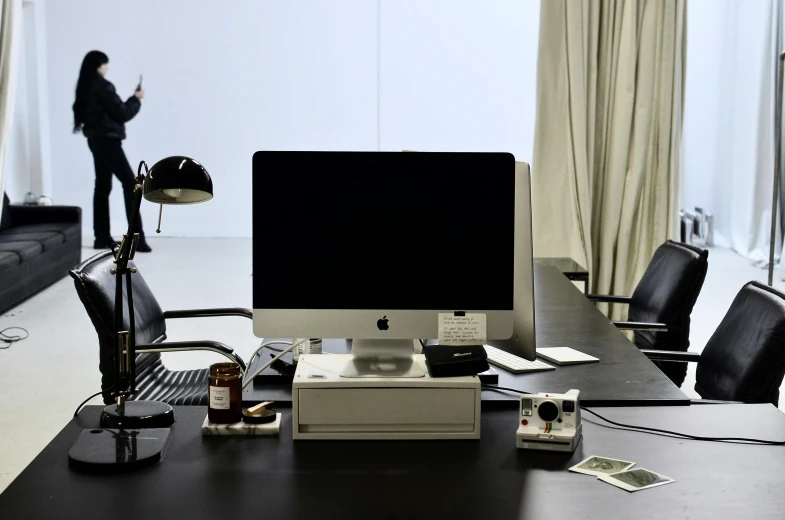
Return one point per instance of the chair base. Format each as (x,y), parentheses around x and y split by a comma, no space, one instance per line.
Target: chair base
(138,414)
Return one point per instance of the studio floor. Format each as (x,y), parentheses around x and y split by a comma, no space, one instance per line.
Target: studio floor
(44,378)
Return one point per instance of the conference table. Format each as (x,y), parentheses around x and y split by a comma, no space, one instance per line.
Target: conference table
(278,478)
(563,318)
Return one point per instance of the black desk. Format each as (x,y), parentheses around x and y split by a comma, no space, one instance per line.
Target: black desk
(239,477)
(564,318)
(569,268)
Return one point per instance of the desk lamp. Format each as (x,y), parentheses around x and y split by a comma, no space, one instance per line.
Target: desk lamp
(173,180)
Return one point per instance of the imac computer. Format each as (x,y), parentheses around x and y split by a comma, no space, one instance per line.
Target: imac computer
(373,246)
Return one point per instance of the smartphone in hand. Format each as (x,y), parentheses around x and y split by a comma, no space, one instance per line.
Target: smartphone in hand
(139,86)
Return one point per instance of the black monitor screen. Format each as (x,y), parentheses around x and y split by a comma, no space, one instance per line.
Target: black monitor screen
(383,230)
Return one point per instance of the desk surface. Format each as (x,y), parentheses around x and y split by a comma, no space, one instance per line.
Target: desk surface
(566,266)
(564,318)
(274,477)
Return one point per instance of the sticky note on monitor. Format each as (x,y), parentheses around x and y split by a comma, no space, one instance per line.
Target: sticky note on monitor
(462,329)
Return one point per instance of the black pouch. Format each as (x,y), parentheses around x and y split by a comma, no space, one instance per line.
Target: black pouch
(452,361)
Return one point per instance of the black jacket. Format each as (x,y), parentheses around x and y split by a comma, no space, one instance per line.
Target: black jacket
(106,114)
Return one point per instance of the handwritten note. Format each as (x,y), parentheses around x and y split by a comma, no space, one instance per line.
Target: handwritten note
(468,329)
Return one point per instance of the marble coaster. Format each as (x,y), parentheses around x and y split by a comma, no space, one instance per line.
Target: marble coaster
(241,428)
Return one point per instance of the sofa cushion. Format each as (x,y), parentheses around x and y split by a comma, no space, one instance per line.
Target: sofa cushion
(69,230)
(8,260)
(25,250)
(48,239)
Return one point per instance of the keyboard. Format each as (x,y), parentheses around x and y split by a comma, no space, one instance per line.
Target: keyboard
(514,364)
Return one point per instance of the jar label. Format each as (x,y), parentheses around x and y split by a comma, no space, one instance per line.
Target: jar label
(219,398)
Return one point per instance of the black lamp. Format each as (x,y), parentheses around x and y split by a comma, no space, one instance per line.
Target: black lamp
(174,180)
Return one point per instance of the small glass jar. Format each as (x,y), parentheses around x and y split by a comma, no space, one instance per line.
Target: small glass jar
(225,396)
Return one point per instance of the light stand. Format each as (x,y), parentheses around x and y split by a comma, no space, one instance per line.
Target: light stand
(174,180)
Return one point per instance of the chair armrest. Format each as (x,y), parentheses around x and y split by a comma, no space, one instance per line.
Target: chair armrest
(208,313)
(606,298)
(178,346)
(638,325)
(670,355)
(22,215)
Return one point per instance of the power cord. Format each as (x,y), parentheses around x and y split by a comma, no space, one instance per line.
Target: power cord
(657,431)
(78,408)
(644,429)
(266,344)
(291,347)
(10,339)
(499,388)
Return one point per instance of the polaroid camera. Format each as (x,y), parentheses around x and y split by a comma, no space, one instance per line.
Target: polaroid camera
(549,422)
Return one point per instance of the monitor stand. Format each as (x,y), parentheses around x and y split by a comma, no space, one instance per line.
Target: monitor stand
(383,358)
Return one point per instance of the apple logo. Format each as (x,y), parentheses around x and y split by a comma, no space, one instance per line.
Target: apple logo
(382,323)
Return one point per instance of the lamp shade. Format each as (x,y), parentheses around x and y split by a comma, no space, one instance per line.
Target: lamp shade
(178,180)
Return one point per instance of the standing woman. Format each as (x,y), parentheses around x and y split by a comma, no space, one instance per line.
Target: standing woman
(100,115)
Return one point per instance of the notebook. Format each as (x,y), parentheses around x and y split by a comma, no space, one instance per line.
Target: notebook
(565,356)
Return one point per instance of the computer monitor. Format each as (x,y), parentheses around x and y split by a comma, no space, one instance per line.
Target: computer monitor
(374,245)
(523,342)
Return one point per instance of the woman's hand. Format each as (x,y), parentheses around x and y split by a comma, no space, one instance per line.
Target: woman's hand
(139,93)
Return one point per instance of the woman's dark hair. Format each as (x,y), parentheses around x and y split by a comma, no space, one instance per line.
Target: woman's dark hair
(87,74)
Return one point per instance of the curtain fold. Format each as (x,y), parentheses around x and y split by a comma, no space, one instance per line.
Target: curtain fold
(10,34)
(606,165)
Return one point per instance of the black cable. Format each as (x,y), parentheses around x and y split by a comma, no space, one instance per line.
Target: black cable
(7,338)
(644,429)
(78,408)
(494,387)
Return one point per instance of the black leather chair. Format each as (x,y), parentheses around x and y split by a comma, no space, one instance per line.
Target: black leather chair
(96,288)
(745,358)
(660,306)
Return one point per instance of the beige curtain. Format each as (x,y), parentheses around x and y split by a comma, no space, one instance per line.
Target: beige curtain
(10,34)
(605,172)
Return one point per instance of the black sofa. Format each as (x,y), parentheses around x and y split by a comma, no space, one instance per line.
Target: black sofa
(38,246)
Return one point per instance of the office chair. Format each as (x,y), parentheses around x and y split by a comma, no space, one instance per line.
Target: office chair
(660,306)
(96,288)
(745,358)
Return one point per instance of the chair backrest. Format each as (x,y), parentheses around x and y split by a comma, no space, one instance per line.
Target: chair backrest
(666,294)
(745,358)
(96,288)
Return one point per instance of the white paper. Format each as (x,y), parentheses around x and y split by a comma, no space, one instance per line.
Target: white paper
(461,330)
(219,398)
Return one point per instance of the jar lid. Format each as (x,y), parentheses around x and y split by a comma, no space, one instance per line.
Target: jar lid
(224,368)
(265,416)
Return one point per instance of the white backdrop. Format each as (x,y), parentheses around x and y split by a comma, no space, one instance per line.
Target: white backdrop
(226,79)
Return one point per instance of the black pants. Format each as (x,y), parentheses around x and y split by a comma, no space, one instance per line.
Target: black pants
(109,158)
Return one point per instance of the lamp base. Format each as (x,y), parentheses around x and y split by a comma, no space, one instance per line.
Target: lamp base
(138,414)
(108,451)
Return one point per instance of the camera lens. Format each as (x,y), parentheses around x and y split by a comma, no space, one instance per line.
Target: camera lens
(548,411)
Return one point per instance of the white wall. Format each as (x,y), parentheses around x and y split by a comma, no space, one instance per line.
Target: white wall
(459,75)
(226,79)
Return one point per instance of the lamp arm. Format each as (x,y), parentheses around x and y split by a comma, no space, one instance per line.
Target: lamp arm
(125,364)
